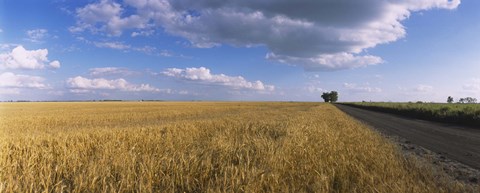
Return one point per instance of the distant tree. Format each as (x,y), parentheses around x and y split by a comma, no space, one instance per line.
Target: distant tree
(471,100)
(326,97)
(450,99)
(334,96)
(330,97)
(467,100)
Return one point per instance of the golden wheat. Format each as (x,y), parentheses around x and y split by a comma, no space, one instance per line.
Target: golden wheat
(200,147)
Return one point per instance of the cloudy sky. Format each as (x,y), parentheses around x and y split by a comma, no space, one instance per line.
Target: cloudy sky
(378,50)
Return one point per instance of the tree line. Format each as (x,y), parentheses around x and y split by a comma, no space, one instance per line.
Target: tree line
(462,100)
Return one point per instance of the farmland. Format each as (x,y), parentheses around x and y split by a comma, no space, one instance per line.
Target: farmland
(201,147)
(463,114)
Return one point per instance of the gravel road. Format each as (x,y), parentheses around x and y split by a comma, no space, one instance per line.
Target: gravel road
(454,142)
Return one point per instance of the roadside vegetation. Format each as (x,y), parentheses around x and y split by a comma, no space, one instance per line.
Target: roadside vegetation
(457,113)
(201,147)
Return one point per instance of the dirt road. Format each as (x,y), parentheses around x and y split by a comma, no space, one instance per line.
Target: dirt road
(457,143)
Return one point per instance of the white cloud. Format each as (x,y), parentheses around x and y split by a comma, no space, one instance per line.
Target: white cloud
(183,92)
(112,45)
(80,84)
(1,30)
(143,33)
(328,61)
(423,88)
(153,51)
(472,85)
(378,76)
(11,80)
(110,71)
(125,47)
(202,75)
(314,34)
(80,91)
(361,88)
(56,92)
(314,89)
(107,14)
(4,47)
(20,58)
(106,44)
(37,35)
(55,64)
(9,91)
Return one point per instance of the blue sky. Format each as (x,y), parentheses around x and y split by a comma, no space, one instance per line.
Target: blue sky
(375,50)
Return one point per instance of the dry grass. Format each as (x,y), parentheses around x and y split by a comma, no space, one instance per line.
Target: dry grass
(200,147)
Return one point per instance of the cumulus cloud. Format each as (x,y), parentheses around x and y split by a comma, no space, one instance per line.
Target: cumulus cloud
(55,64)
(107,15)
(204,76)
(80,84)
(361,88)
(37,35)
(315,34)
(11,80)
(21,58)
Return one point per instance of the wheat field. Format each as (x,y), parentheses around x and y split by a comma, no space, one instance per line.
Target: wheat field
(201,147)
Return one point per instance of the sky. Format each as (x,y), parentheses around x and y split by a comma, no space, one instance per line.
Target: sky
(249,50)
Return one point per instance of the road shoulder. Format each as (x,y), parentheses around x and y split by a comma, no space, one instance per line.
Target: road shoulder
(440,161)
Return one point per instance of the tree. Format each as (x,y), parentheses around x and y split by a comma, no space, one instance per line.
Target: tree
(330,97)
(334,96)
(326,97)
(471,100)
(450,99)
(467,100)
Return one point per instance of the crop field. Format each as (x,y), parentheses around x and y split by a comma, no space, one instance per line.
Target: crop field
(464,114)
(201,147)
